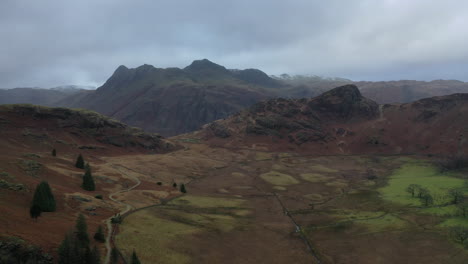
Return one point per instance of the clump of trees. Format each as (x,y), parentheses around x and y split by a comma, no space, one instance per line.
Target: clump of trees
(460,235)
(43,200)
(80,164)
(75,247)
(417,191)
(453,196)
(88,181)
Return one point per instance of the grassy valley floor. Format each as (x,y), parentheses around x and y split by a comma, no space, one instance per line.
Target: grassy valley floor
(246,206)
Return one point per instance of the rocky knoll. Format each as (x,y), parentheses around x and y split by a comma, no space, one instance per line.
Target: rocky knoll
(343,121)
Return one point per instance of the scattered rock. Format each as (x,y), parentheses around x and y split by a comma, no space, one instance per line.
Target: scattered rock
(80,199)
(12,186)
(91,208)
(219,130)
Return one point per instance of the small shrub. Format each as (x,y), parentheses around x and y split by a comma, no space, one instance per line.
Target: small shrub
(159,183)
(99,196)
(80,162)
(182,188)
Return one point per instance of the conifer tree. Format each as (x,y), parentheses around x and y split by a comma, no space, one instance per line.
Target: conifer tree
(88,181)
(114,258)
(174,185)
(99,235)
(82,231)
(95,256)
(69,251)
(182,188)
(44,198)
(135,259)
(54,152)
(35,211)
(80,162)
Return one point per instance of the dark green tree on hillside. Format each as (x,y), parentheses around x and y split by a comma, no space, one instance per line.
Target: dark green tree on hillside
(174,185)
(135,259)
(114,257)
(68,251)
(88,181)
(426,197)
(35,211)
(54,152)
(99,235)
(82,231)
(44,198)
(95,256)
(182,188)
(80,164)
(463,208)
(413,189)
(456,195)
(75,249)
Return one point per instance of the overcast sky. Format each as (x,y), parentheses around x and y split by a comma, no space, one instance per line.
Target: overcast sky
(48,43)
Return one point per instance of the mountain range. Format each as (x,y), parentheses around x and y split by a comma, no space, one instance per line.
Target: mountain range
(173,101)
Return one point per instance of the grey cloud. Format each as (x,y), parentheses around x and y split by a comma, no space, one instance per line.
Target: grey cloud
(48,43)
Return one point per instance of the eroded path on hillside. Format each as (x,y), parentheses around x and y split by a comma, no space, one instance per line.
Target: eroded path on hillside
(127,208)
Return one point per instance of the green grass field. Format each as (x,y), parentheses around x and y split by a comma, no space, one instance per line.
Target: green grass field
(155,232)
(278,178)
(426,175)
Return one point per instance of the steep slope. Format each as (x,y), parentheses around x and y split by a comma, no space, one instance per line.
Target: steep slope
(173,101)
(29,133)
(343,121)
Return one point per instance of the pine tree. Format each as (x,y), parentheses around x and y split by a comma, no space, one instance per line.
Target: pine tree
(99,235)
(114,258)
(135,259)
(182,188)
(35,211)
(64,250)
(82,231)
(69,251)
(80,162)
(44,198)
(95,256)
(54,152)
(174,185)
(88,181)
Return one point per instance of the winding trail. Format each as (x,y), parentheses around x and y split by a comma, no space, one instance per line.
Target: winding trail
(128,207)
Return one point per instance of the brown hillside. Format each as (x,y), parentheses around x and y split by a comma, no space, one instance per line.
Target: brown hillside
(28,135)
(342,121)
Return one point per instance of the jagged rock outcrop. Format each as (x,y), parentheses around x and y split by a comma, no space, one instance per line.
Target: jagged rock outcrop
(345,102)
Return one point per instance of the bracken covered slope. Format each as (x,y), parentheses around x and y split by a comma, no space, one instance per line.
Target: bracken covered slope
(28,134)
(343,121)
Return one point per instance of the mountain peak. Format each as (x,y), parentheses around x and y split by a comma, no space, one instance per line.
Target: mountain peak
(205,65)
